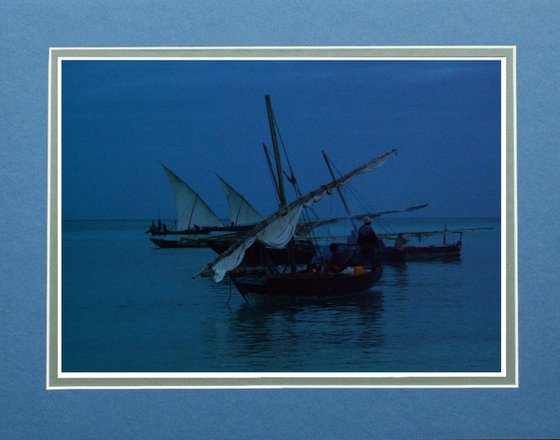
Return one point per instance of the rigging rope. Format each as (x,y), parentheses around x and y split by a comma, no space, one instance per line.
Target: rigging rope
(293,181)
(363,202)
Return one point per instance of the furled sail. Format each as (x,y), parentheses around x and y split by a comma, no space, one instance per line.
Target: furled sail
(276,234)
(306,227)
(277,229)
(191,209)
(241,212)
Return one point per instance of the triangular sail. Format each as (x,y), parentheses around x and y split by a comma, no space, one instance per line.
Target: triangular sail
(278,228)
(241,212)
(191,209)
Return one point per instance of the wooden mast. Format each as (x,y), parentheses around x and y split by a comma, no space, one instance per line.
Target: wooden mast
(271,170)
(280,176)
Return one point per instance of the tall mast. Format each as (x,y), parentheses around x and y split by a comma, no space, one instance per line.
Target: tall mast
(328,162)
(277,158)
(280,176)
(271,170)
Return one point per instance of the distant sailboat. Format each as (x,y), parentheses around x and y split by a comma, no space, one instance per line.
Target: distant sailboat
(429,252)
(194,216)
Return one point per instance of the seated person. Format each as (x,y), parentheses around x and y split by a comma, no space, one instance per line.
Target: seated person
(338,261)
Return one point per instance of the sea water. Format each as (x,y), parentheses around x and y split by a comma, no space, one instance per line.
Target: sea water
(128,306)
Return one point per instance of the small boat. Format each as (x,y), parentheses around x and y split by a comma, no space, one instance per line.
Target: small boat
(195,217)
(426,252)
(393,255)
(307,283)
(181,243)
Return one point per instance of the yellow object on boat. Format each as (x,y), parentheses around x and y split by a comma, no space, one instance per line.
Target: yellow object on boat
(358,270)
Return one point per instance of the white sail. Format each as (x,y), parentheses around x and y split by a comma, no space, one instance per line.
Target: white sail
(241,212)
(191,209)
(276,234)
(279,227)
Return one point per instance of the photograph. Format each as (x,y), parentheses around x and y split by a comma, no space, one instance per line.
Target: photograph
(280,220)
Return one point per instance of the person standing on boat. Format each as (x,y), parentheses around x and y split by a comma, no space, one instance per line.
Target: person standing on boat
(370,245)
(400,242)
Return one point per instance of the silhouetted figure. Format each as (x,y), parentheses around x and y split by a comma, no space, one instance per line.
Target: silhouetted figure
(370,244)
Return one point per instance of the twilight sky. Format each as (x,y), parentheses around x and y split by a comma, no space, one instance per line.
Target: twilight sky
(121,119)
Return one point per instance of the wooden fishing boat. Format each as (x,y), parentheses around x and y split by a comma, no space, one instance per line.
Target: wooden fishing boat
(277,231)
(181,243)
(194,216)
(426,253)
(307,283)
(201,230)
(432,252)
(393,255)
(446,250)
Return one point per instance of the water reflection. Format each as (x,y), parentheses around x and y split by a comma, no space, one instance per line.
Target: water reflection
(308,334)
(451,260)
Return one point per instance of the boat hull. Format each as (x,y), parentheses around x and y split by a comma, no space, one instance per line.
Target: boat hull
(426,253)
(199,231)
(254,256)
(392,255)
(306,284)
(183,243)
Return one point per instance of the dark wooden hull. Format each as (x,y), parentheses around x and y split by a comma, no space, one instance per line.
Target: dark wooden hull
(254,256)
(175,244)
(392,255)
(426,253)
(306,284)
(199,231)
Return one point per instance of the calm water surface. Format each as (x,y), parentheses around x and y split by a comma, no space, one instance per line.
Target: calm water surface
(128,306)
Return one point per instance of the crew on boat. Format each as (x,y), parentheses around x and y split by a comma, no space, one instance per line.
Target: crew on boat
(157,229)
(152,229)
(400,242)
(338,261)
(370,245)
